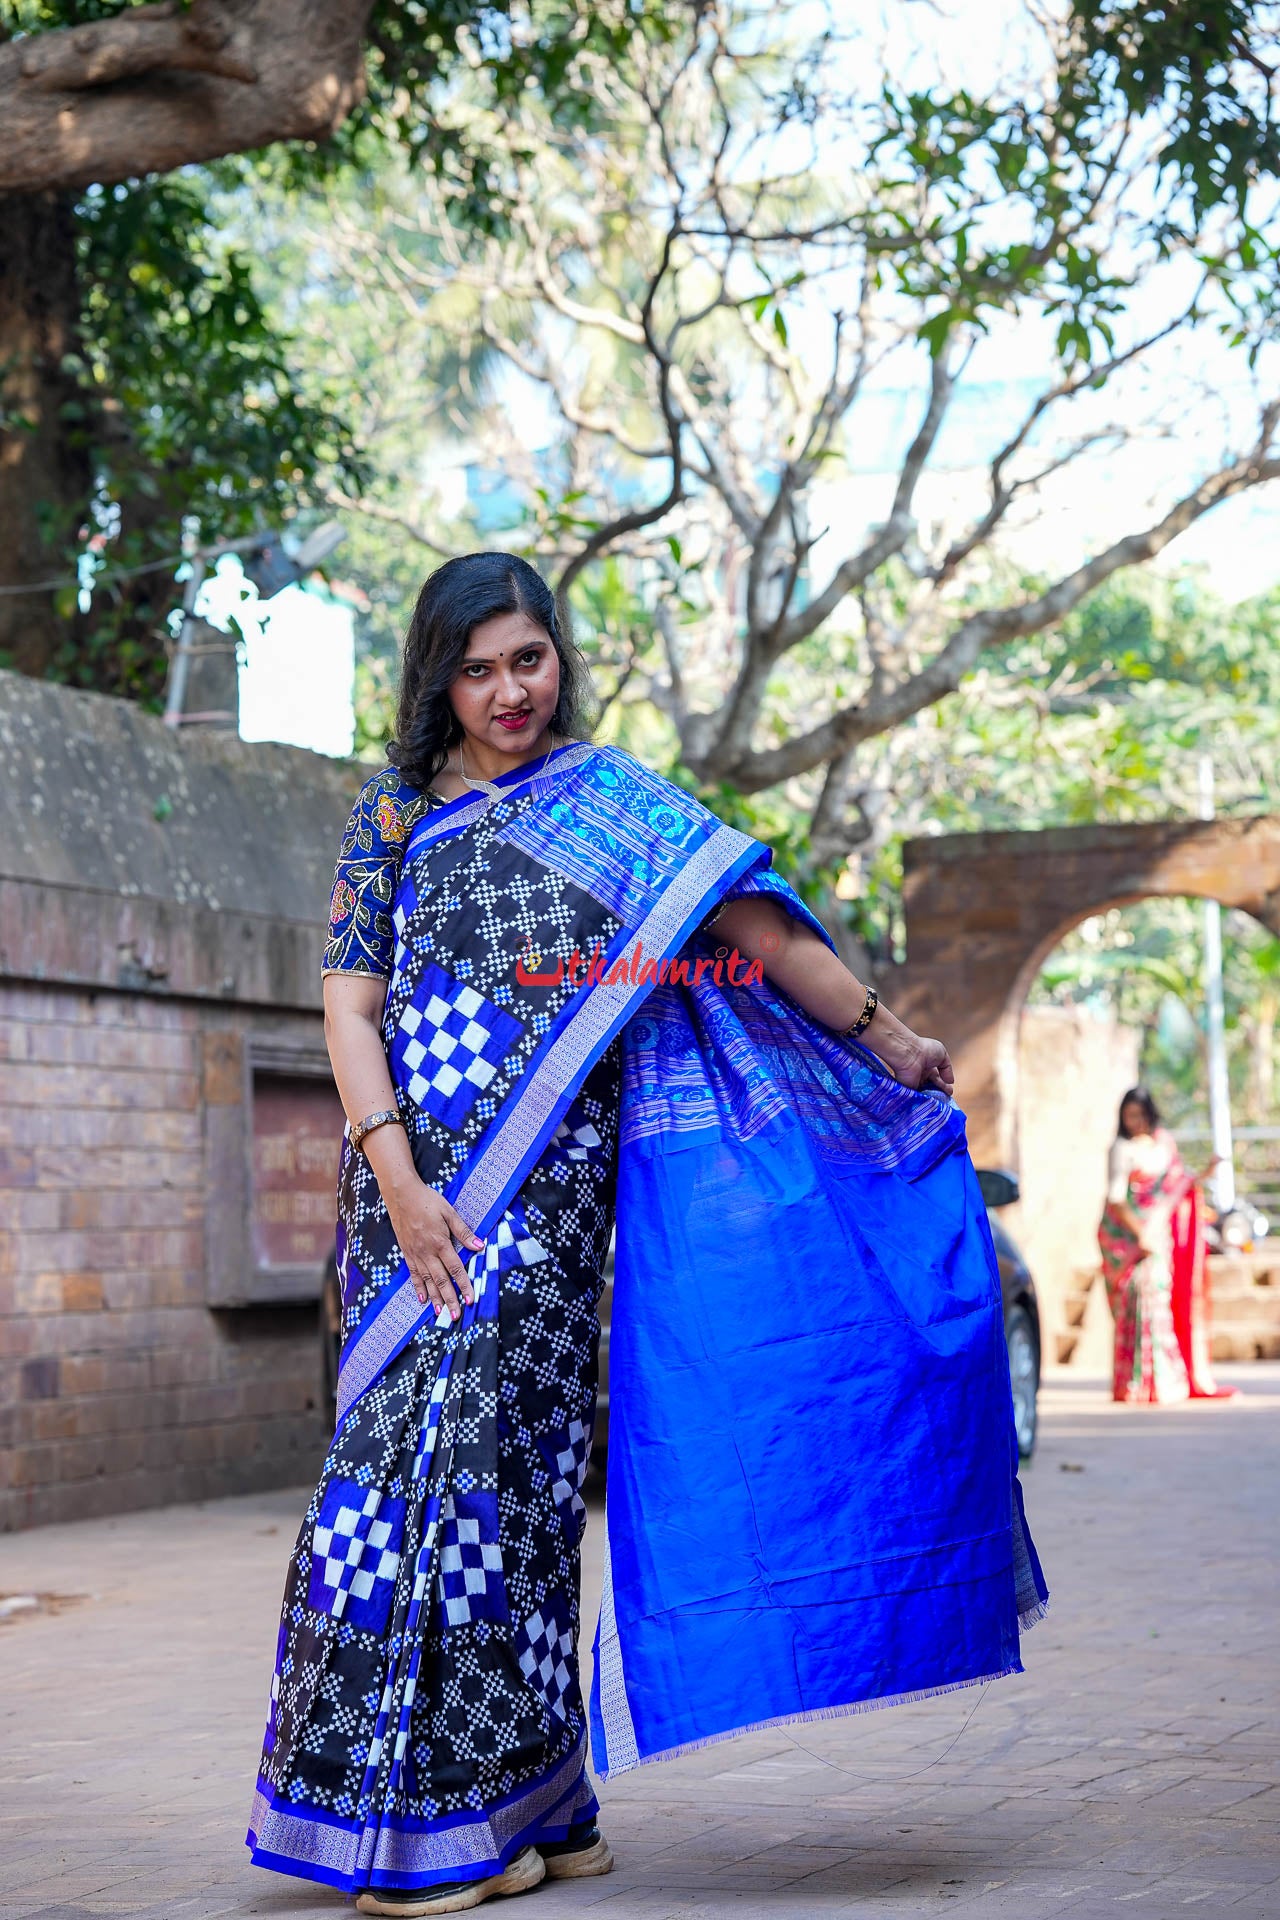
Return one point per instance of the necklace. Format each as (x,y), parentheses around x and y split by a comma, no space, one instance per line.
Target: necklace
(491,787)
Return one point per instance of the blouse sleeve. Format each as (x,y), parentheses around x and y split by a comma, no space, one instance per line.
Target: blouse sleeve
(1118,1173)
(764,880)
(361,936)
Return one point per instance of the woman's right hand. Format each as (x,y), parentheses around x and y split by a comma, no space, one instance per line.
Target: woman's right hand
(426,1227)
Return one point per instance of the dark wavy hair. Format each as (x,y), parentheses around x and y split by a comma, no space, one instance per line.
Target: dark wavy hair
(458,597)
(1139,1097)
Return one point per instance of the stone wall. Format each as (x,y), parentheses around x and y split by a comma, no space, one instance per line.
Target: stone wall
(168,1125)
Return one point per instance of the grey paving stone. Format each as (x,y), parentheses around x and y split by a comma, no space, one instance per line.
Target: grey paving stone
(1134,1767)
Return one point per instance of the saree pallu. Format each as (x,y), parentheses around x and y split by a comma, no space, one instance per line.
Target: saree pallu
(809,1507)
(1159,1301)
(812,1503)
(1192,1304)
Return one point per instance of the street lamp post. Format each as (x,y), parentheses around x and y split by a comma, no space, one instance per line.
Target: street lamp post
(1224,1178)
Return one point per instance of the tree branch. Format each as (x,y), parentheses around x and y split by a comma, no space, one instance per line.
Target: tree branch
(158,87)
(613,530)
(893,535)
(374,510)
(145,40)
(943,674)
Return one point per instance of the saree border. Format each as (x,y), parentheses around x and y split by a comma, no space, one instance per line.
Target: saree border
(518,1134)
(617,1750)
(465,808)
(323,1846)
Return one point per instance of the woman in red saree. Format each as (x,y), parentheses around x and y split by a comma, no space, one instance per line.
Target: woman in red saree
(1153,1263)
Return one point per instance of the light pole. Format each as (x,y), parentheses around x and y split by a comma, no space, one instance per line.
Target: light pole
(1224,1178)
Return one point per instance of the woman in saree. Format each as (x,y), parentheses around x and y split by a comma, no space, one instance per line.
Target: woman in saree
(1152,1245)
(534,1027)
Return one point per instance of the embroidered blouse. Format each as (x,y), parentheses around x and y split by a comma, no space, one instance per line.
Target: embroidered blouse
(361,936)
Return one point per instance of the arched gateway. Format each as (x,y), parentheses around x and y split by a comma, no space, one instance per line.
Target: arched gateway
(983,911)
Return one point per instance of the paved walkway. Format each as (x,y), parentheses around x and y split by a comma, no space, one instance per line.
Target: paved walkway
(1133,1769)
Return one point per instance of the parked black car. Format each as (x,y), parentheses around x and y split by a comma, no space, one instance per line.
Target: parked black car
(1021,1323)
(1021,1309)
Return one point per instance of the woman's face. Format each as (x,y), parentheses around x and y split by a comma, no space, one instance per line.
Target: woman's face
(507,687)
(1133,1118)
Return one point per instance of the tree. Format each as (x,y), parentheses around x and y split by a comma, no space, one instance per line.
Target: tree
(145,398)
(105,93)
(1144,966)
(1104,717)
(712,297)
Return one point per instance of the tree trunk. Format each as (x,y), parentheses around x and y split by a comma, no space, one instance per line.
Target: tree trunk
(44,461)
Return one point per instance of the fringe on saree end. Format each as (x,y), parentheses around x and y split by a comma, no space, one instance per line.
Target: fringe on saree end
(815,1713)
(1032,1616)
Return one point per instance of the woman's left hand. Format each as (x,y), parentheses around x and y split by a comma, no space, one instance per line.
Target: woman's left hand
(912,1059)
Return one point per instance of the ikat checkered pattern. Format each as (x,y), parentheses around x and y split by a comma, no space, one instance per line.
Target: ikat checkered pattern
(575,1142)
(567,1455)
(545,1652)
(448,1044)
(513,1241)
(355,1554)
(484,1698)
(471,1585)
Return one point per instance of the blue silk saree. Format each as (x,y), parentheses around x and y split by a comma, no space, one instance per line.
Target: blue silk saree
(812,1503)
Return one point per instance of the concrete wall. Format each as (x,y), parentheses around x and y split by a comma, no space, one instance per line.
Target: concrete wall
(168,1125)
(1073,1069)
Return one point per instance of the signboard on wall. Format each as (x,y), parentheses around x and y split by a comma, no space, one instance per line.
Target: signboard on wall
(297,1133)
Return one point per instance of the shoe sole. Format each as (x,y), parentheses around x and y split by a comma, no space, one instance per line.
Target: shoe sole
(526,1871)
(581,1866)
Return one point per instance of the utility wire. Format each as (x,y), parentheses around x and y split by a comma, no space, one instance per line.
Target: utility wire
(100,579)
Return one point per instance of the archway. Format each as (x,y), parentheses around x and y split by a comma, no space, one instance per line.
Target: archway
(984,911)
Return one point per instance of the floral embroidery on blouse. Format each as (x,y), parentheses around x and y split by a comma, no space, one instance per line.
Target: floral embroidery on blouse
(361,936)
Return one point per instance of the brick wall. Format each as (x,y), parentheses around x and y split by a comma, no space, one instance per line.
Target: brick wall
(119,1386)
(162,904)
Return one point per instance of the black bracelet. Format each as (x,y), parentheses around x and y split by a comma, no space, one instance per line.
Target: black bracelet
(863,1020)
(386,1117)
